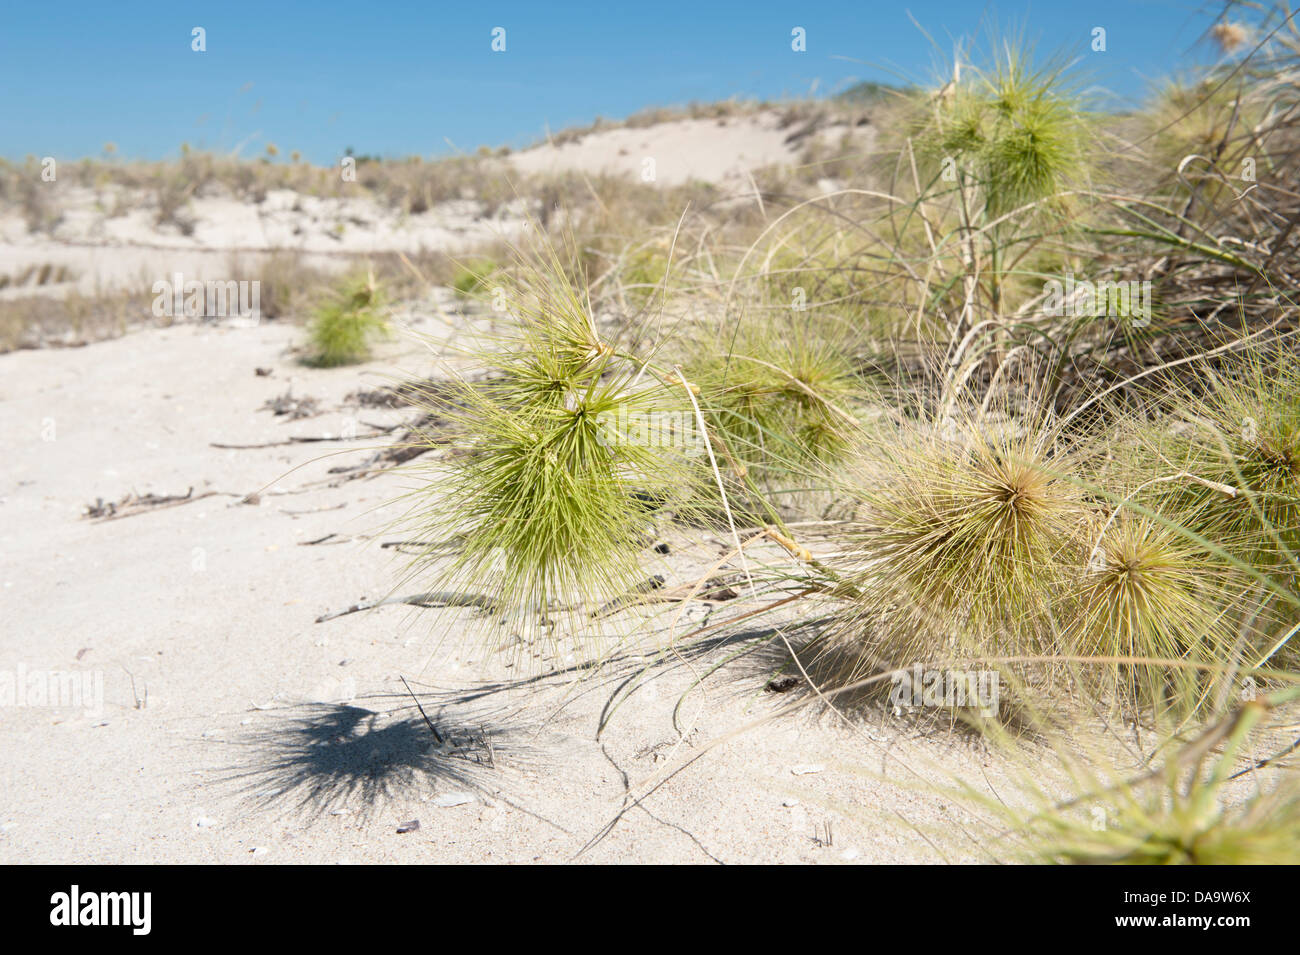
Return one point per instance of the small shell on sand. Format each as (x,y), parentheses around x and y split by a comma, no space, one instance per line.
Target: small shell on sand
(807,769)
(447,800)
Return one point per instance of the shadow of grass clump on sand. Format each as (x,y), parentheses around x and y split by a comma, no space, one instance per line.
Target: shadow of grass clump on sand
(323,757)
(808,666)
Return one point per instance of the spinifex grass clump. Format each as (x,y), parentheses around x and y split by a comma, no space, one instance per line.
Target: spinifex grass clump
(1004,149)
(1241,446)
(343,327)
(1016,134)
(555,508)
(1184,816)
(779,399)
(1148,592)
(570,449)
(970,527)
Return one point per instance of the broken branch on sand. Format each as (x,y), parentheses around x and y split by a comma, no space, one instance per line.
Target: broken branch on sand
(433,599)
(303,439)
(134,504)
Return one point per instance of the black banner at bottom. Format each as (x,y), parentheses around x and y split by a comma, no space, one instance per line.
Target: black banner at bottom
(337,904)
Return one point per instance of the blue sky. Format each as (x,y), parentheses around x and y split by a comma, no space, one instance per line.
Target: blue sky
(420,78)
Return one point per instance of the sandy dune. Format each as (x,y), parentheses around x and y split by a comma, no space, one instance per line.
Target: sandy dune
(109,239)
(711,150)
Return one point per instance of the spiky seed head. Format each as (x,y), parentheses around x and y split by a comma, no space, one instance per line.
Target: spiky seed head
(1229,36)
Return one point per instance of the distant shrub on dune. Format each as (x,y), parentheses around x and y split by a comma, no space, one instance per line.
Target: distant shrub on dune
(344,327)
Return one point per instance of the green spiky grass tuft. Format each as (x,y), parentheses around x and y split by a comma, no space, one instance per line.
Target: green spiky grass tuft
(473,277)
(1252,444)
(1176,830)
(554,506)
(1019,133)
(1149,592)
(343,328)
(1186,816)
(570,452)
(780,400)
(963,524)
